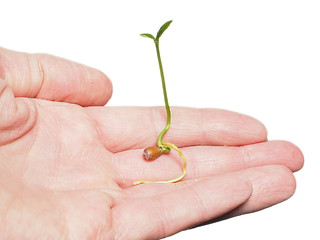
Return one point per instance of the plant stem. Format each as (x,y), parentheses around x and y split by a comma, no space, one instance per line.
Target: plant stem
(152,153)
(166,128)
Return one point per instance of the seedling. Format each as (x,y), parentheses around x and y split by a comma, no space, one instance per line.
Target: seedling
(152,153)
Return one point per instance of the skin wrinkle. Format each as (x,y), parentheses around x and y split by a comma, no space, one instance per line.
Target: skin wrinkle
(2,89)
(24,167)
(112,205)
(232,212)
(32,119)
(246,158)
(11,203)
(41,71)
(68,217)
(5,90)
(163,215)
(197,198)
(99,232)
(259,191)
(7,121)
(5,214)
(203,209)
(26,76)
(65,230)
(91,98)
(35,136)
(13,200)
(30,144)
(58,149)
(203,125)
(4,64)
(67,227)
(117,175)
(161,230)
(194,166)
(209,163)
(33,76)
(282,192)
(288,189)
(97,126)
(25,120)
(120,175)
(117,229)
(248,181)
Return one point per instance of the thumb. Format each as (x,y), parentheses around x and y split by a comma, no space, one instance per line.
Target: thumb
(17,115)
(52,78)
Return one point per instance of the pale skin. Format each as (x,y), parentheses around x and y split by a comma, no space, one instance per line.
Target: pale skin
(68,163)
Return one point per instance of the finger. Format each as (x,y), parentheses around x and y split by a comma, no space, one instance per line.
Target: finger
(123,128)
(278,187)
(205,161)
(52,78)
(17,116)
(271,185)
(163,215)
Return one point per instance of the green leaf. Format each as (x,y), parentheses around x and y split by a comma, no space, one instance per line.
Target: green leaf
(147,35)
(163,28)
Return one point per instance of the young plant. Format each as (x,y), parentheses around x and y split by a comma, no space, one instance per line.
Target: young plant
(152,153)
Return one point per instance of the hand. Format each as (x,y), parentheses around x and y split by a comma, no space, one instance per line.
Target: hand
(68,163)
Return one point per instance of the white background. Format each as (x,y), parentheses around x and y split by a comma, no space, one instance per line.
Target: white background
(261,58)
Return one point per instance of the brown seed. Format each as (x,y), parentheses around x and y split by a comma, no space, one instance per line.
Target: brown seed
(152,153)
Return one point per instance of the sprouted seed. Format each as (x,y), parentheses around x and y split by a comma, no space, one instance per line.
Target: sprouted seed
(152,153)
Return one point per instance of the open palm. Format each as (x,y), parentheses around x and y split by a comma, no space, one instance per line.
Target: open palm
(67,163)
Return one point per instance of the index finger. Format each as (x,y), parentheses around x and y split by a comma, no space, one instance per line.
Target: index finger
(124,128)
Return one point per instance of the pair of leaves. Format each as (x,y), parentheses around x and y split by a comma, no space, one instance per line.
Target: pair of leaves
(160,32)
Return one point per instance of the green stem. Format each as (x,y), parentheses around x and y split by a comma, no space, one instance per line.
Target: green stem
(166,128)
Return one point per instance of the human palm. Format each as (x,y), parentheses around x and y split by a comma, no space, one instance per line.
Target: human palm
(67,166)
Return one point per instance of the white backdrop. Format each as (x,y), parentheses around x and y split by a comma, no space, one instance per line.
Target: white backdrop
(261,58)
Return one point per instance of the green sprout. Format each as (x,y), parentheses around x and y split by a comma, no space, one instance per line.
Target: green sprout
(152,153)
